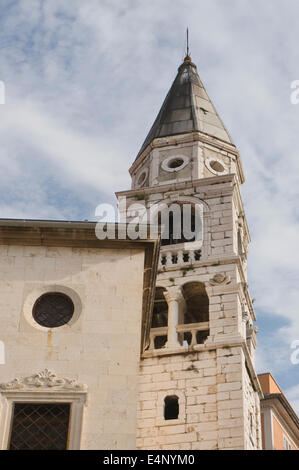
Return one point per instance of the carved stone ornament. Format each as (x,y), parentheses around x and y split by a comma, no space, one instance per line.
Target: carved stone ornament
(43,380)
(220,279)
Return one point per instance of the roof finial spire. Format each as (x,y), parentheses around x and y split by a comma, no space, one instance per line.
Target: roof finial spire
(187,58)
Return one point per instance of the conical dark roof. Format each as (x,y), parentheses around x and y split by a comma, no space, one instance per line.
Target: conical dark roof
(187,108)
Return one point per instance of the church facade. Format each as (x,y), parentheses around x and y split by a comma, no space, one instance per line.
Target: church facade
(73,312)
(123,344)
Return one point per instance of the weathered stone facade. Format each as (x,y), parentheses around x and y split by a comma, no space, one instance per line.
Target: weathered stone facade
(92,361)
(210,386)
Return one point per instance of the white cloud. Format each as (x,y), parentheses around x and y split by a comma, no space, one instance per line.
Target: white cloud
(83,159)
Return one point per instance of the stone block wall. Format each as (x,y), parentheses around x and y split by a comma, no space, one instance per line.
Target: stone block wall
(252,414)
(210,388)
(101,349)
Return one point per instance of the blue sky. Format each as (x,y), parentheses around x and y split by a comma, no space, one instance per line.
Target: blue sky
(84,82)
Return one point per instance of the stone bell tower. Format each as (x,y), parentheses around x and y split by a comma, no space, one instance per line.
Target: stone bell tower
(198,386)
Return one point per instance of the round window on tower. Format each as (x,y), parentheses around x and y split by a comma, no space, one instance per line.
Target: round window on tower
(53,309)
(141,178)
(175,163)
(216,166)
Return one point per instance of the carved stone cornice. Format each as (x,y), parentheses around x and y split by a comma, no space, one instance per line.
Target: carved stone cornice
(44,380)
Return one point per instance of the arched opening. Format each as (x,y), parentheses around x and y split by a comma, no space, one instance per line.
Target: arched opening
(197,309)
(197,302)
(160,316)
(160,311)
(171,407)
(173,221)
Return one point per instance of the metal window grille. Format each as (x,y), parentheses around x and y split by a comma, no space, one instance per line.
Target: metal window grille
(53,309)
(40,426)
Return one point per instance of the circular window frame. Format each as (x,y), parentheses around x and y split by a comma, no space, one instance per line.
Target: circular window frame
(165,164)
(42,315)
(145,172)
(208,163)
(35,295)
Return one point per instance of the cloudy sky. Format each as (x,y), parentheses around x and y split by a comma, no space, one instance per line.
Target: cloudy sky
(84,82)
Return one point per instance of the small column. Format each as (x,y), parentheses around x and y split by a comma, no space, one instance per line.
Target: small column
(191,257)
(176,303)
(168,258)
(180,257)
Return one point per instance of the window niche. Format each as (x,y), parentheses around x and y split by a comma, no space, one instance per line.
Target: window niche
(197,302)
(197,311)
(171,408)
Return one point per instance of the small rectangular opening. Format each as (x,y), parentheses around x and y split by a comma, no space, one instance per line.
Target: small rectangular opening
(171,407)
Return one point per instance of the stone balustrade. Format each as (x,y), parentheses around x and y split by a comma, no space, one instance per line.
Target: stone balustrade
(191,328)
(155,333)
(174,255)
